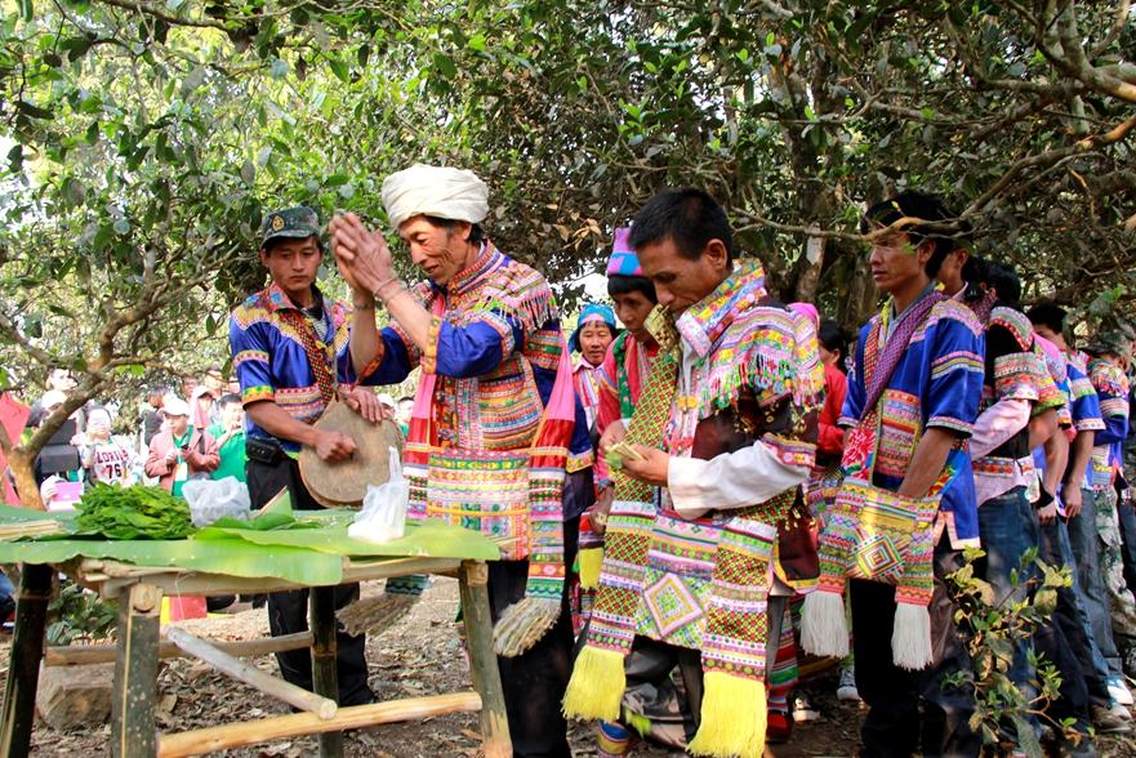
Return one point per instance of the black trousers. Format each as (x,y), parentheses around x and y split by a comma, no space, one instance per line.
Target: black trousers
(534,682)
(911,712)
(651,661)
(288,611)
(1063,641)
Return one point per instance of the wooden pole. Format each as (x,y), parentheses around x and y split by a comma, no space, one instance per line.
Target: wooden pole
(23,666)
(251,675)
(236,735)
(473,583)
(325,661)
(136,673)
(82,655)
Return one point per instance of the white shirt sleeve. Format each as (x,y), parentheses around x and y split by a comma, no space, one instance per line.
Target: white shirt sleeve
(997,424)
(745,477)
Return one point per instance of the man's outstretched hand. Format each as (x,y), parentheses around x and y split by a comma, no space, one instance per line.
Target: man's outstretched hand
(365,403)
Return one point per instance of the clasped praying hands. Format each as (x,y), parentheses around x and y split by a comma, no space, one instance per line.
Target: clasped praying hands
(363,257)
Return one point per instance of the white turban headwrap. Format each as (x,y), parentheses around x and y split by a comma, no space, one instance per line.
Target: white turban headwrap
(441,191)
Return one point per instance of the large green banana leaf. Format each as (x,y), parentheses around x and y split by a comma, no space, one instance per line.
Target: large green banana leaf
(274,544)
(433,539)
(231,556)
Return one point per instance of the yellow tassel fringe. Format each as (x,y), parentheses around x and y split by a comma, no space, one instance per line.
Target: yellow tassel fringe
(591,559)
(638,722)
(595,690)
(733,718)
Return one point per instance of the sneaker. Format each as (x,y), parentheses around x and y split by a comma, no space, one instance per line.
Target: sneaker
(803,710)
(1119,691)
(1120,711)
(846,690)
(1107,722)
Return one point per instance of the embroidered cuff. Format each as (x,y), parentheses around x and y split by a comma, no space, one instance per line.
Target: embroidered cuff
(1090,424)
(965,428)
(373,366)
(257,393)
(791,452)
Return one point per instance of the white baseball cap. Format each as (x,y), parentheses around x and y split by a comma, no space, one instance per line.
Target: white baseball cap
(175,406)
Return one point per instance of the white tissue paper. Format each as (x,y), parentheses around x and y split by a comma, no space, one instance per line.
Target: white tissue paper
(383,517)
(212,499)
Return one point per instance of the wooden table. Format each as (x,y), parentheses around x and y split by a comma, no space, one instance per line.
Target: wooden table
(139,591)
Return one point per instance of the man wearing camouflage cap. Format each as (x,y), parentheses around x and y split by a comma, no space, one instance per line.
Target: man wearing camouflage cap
(1110,354)
(290,354)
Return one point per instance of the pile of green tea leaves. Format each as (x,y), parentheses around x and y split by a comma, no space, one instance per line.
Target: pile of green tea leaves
(132,513)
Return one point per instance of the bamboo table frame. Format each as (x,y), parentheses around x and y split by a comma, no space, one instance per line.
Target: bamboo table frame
(139,591)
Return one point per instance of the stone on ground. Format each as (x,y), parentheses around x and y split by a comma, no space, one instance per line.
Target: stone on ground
(72,696)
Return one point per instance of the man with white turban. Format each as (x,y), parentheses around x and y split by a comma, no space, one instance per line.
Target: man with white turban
(497,440)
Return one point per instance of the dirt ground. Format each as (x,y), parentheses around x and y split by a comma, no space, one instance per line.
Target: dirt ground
(418,656)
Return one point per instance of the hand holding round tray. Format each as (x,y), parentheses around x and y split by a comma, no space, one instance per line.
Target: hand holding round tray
(344,484)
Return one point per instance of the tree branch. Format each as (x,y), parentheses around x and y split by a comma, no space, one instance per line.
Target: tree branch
(9,328)
(1074,62)
(143,8)
(1048,158)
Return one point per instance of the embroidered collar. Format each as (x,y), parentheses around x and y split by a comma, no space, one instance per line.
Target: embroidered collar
(702,323)
(275,298)
(893,315)
(889,318)
(487,260)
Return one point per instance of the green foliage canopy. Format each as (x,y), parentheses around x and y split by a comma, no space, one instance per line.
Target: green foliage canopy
(144,139)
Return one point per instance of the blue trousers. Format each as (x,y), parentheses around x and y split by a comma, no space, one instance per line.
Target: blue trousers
(1066,639)
(1008,527)
(1085,542)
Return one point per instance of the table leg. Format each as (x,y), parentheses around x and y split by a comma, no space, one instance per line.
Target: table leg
(133,732)
(473,581)
(325,660)
(27,650)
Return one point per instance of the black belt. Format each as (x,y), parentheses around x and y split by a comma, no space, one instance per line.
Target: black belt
(264,450)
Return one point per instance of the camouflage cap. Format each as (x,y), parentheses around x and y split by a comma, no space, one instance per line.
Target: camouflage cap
(290,223)
(1125,327)
(1111,341)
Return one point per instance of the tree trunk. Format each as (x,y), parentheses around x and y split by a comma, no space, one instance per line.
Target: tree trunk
(22,457)
(22,463)
(859,298)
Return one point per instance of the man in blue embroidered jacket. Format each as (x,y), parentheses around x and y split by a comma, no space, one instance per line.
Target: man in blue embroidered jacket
(1077,535)
(1000,447)
(926,412)
(289,348)
(1109,358)
(485,330)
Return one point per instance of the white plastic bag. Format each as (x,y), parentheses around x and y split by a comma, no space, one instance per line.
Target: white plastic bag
(212,499)
(383,517)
